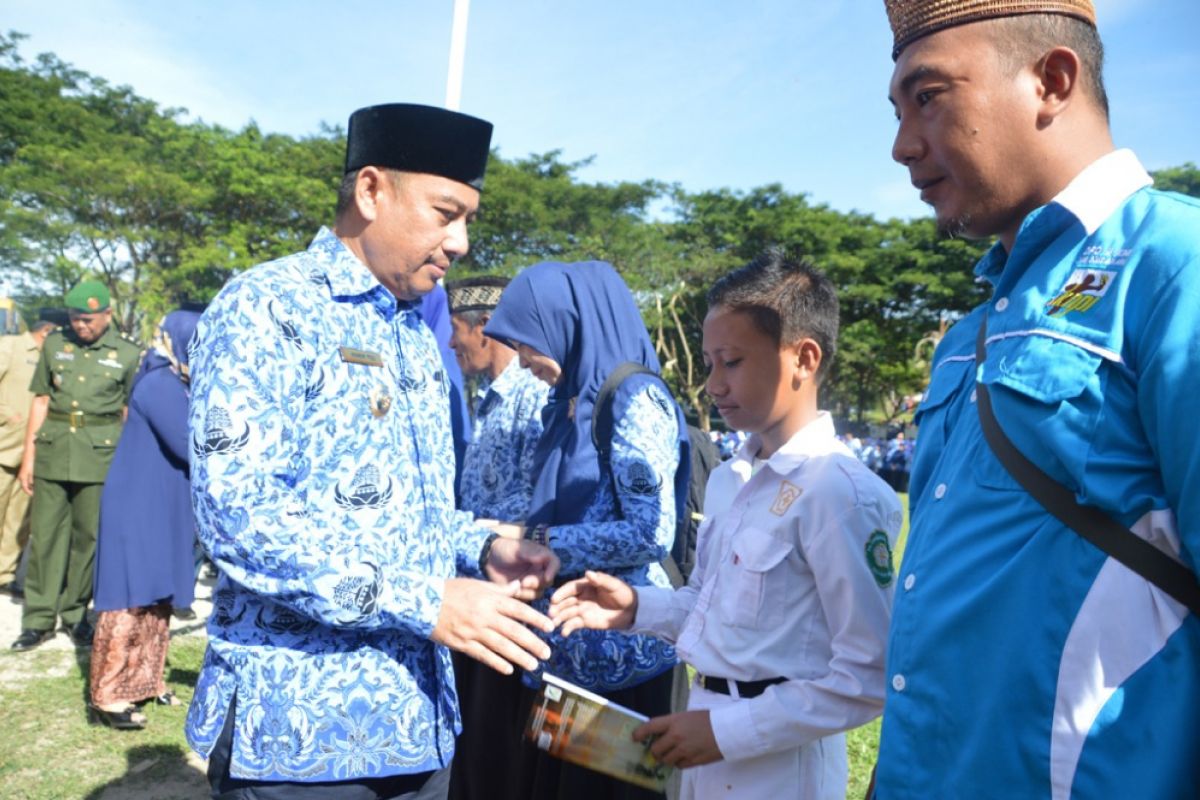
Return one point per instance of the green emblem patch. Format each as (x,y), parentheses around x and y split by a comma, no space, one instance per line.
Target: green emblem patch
(879,558)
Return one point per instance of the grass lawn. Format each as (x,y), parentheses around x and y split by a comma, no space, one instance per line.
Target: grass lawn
(49,752)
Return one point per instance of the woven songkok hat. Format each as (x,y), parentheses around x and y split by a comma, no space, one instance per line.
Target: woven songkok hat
(912,19)
(475,294)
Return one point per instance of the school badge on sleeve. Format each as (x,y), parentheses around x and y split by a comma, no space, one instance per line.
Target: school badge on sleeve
(879,558)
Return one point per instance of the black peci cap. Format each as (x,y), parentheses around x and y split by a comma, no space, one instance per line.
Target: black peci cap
(416,138)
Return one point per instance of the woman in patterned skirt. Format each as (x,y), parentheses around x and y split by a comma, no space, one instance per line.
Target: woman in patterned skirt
(144,550)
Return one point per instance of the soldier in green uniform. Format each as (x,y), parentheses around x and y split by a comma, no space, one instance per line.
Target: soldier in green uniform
(80,385)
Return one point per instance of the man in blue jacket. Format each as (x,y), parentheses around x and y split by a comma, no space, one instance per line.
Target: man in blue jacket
(1023,660)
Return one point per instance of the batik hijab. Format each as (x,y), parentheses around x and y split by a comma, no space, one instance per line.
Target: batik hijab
(583,316)
(169,348)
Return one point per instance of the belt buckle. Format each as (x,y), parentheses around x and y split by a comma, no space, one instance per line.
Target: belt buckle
(76,418)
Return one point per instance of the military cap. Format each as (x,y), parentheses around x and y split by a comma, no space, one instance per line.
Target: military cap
(415,138)
(913,19)
(88,297)
(475,294)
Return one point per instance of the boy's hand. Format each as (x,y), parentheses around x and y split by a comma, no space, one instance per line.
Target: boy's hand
(596,601)
(681,740)
(531,567)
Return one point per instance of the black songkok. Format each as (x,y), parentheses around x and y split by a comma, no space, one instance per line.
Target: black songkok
(415,138)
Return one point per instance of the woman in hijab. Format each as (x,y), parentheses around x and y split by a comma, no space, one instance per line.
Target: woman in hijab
(144,549)
(572,325)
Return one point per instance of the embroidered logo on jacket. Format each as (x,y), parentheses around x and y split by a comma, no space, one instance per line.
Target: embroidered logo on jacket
(1084,289)
(879,558)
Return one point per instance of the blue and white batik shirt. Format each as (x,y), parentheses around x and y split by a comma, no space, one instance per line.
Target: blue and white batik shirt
(497,473)
(626,532)
(323,485)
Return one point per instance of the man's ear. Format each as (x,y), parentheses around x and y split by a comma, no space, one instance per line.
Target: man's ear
(368,186)
(1058,73)
(486,340)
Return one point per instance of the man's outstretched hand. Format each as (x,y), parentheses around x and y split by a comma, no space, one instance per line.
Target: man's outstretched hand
(488,622)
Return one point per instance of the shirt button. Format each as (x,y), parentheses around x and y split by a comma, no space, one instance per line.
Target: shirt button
(1002,304)
(973,394)
(898,682)
(909,581)
(940,491)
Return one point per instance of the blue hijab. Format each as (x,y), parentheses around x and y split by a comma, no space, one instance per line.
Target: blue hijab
(583,316)
(169,349)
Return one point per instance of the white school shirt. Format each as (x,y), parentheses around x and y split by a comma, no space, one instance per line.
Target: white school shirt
(793,579)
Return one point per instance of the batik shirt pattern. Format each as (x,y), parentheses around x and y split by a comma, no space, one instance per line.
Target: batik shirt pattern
(323,471)
(497,473)
(645,455)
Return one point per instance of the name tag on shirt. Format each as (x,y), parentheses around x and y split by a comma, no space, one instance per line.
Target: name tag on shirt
(367,358)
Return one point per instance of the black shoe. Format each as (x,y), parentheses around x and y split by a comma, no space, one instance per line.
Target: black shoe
(128,720)
(81,633)
(185,613)
(12,588)
(30,639)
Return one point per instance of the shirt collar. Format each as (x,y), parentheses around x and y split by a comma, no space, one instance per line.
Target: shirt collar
(346,275)
(508,379)
(816,438)
(1095,193)
(1090,198)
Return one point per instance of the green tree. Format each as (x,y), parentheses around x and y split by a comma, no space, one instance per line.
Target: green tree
(1184,179)
(95,180)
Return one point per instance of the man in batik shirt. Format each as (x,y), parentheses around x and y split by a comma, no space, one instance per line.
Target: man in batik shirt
(323,484)
(508,410)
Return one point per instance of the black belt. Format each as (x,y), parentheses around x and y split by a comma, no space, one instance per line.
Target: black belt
(744,688)
(78,419)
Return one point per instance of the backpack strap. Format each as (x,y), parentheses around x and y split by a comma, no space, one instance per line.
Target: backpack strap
(1089,522)
(602,411)
(602,435)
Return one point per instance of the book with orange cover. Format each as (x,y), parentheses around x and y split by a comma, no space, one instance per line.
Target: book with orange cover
(573,724)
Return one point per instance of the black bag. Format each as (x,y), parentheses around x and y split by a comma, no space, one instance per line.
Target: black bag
(703,459)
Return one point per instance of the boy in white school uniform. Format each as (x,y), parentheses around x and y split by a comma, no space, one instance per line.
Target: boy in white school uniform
(786,614)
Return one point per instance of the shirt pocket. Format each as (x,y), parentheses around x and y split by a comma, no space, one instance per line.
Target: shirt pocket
(756,595)
(1046,394)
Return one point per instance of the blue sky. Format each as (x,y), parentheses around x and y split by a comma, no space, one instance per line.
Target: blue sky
(709,93)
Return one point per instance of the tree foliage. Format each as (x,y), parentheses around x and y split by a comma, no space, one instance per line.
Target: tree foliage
(97,181)
(1184,179)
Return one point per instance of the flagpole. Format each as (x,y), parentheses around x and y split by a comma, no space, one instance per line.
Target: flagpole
(458,52)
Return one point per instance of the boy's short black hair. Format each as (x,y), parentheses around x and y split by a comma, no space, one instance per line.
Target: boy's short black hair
(788,298)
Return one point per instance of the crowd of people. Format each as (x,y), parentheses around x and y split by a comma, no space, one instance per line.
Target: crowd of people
(400,563)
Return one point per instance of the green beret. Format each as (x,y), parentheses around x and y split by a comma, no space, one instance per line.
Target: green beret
(88,297)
